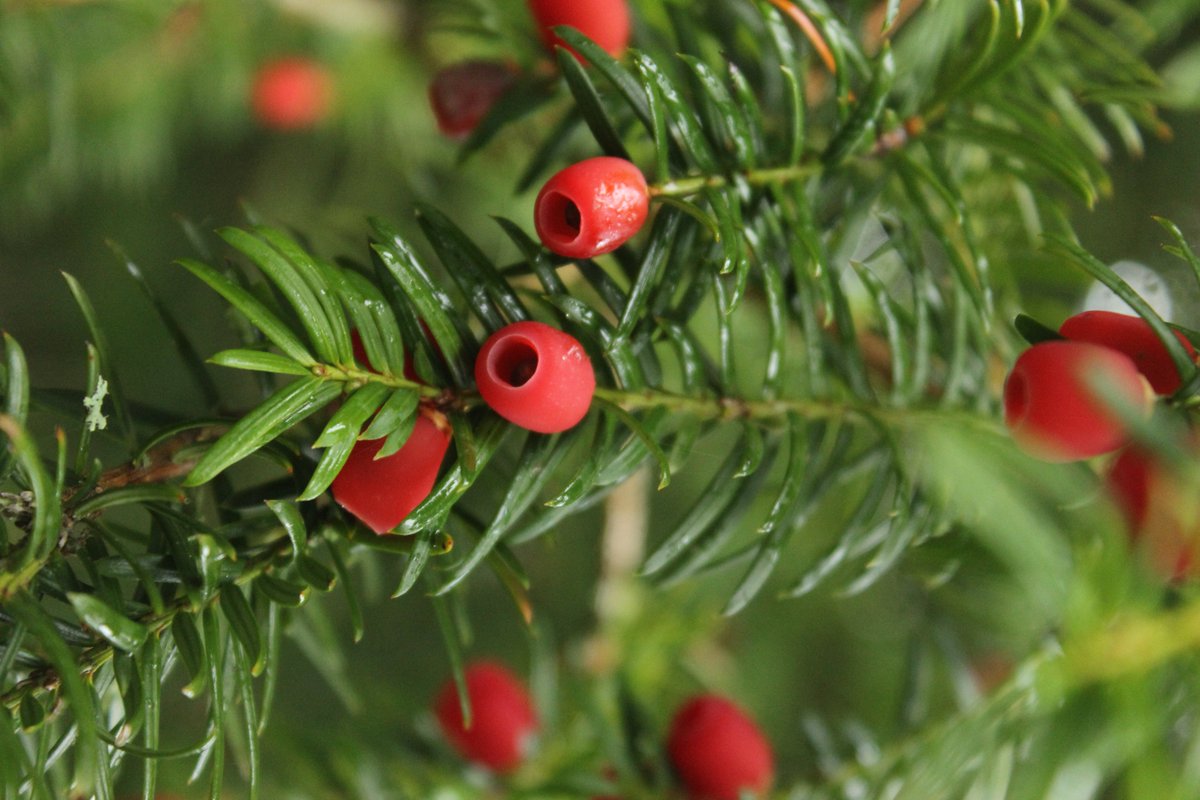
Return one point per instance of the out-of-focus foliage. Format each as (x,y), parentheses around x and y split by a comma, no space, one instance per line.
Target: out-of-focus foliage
(802,352)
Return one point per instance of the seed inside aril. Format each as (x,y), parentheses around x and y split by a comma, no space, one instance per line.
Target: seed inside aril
(571,216)
(559,217)
(514,363)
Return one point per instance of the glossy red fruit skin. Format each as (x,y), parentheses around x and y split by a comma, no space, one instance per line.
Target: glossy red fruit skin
(291,94)
(605,22)
(462,94)
(503,719)
(1050,408)
(718,751)
(592,207)
(1151,500)
(381,493)
(535,376)
(1134,337)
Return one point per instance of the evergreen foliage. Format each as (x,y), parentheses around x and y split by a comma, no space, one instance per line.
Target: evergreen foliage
(824,298)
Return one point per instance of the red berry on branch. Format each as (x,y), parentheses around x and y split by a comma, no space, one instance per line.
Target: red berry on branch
(719,752)
(1051,408)
(605,22)
(592,207)
(1134,337)
(503,720)
(1160,514)
(382,492)
(291,94)
(535,376)
(462,94)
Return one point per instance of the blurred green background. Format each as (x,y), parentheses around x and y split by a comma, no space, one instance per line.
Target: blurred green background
(117,119)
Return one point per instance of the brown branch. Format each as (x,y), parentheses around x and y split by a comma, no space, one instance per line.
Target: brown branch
(158,465)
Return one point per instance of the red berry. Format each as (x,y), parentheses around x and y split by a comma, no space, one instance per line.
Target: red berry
(1159,514)
(1051,409)
(535,376)
(592,207)
(291,93)
(718,751)
(1128,480)
(1134,337)
(503,720)
(605,22)
(462,94)
(383,492)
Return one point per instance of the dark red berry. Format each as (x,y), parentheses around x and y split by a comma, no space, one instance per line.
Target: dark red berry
(719,752)
(462,94)
(605,22)
(592,207)
(382,492)
(503,720)
(1159,515)
(535,376)
(1051,408)
(291,94)
(1134,337)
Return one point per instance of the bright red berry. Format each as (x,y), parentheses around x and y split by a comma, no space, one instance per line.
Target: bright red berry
(605,22)
(291,94)
(535,376)
(1134,337)
(592,207)
(462,94)
(503,720)
(382,492)
(1159,514)
(718,751)
(1051,408)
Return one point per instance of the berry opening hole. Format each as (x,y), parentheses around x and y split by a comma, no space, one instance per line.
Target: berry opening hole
(560,217)
(514,362)
(1016,398)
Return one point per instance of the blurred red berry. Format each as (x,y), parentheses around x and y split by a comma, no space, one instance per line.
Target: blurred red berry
(1051,408)
(462,94)
(535,376)
(605,22)
(382,492)
(291,94)
(1161,515)
(503,720)
(718,751)
(592,207)
(1135,338)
